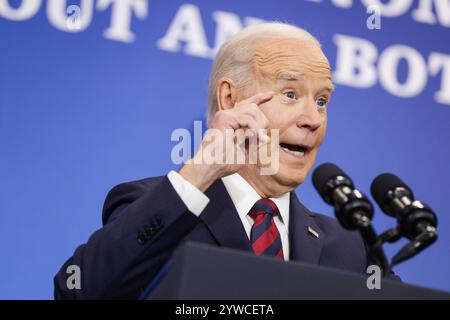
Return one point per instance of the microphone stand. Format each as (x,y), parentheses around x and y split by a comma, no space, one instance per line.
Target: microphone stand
(354,211)
(426,237)
(374,243)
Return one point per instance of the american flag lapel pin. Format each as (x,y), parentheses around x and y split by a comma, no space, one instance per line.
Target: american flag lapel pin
(313,232)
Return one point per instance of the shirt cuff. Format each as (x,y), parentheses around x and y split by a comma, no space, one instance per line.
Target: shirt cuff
(194,199)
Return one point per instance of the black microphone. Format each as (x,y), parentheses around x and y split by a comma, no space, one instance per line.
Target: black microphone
(416,220)
(352,208)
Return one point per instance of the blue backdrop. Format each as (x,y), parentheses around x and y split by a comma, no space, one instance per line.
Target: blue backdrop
(90,100)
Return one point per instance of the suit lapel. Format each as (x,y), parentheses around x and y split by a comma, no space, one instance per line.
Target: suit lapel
(222,219)
(304,244)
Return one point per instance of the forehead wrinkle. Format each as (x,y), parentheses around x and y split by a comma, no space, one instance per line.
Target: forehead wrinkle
(302,70)
(274,61)
(321,70)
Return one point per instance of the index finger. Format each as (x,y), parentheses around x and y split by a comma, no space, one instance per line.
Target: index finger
(259,98)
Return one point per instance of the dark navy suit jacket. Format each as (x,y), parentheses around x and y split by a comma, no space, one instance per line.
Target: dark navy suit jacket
(145,221)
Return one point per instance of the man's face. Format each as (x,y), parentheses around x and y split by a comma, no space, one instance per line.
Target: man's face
(299,74)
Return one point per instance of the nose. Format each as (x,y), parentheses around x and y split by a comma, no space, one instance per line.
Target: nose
(310,117)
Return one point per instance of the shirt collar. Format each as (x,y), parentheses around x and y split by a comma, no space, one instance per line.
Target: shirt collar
(244,197)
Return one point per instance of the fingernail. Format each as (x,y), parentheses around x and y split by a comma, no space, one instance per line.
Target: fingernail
(264,138)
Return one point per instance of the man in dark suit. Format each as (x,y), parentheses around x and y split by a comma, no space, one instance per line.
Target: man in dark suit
(226,202)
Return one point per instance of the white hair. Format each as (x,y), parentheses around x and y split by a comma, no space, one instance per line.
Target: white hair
(234,59)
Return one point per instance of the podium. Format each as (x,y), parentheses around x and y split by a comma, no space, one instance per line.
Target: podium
(199,271)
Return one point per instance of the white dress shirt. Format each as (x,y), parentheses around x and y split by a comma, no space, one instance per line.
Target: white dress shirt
(243,196)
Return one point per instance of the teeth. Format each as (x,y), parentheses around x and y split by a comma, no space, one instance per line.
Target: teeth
(295,153)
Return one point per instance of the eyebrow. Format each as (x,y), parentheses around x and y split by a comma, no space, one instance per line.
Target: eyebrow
(288,77)
(296,77)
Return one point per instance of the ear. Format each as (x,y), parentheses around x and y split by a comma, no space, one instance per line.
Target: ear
(225,94)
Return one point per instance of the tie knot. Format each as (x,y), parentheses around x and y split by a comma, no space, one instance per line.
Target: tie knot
(263,207)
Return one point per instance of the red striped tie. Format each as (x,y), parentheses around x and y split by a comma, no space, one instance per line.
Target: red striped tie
(264,236)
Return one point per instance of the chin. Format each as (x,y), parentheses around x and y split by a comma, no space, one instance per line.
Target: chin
(291,177)
(294,173)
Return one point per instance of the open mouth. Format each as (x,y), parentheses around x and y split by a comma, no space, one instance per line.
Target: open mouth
(295,149)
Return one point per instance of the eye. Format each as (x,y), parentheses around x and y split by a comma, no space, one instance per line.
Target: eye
(321,103)
(290,95)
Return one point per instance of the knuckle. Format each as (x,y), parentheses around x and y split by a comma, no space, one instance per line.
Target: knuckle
(221,115)
(217,115)
(253,106)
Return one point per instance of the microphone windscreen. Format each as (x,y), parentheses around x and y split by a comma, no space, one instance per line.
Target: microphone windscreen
(383,184)
(323,174)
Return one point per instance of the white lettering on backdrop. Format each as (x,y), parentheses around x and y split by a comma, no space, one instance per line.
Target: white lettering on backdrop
(359,63)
